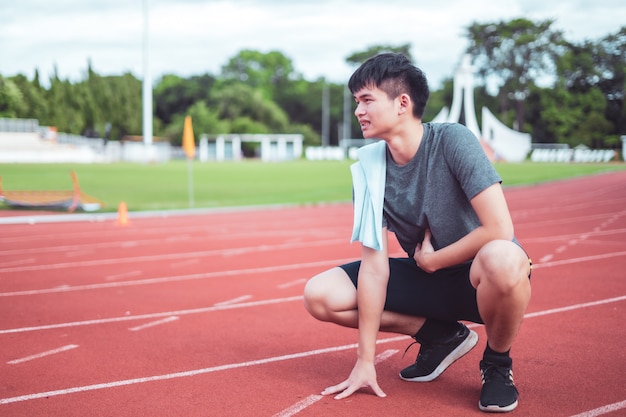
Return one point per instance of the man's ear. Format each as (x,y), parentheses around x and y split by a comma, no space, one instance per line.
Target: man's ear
(405,104)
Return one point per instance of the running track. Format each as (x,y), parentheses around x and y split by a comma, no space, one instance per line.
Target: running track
(201,314)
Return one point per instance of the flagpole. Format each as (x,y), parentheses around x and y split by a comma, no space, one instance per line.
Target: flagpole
(190,181)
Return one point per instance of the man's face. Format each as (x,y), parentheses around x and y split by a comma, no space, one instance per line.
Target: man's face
(375,111)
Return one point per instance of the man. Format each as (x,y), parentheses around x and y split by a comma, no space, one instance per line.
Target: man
(432,185)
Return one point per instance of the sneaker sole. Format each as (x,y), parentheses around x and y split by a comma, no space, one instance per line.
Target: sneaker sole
(460,351)
(496,408)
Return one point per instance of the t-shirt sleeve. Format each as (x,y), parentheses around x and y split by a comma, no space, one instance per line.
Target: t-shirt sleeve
(468,161)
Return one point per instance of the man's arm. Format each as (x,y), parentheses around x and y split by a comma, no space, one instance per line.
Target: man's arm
(495,223)
(371,294)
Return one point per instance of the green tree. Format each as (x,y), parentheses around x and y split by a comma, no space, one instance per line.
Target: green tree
(173,95)
(572,117)
(359,57)
(240,100)
(612,68)
(516,53)
(34,103)
(302,102)
(11,99)
(113,99)
(204,119)
(267,72)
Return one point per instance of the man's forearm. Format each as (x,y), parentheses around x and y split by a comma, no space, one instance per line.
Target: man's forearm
(371,294)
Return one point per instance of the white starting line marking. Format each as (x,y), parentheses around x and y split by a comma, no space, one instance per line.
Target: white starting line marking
(384,356)
(42,354)
(312,399)
(154,323)
(603,410)
(195,372)
(299,406)
(234,300)
(183,374)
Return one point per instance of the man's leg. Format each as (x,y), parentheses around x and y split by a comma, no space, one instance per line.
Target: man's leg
(500,274)
(331,296)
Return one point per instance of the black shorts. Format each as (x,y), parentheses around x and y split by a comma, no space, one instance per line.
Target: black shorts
(446,294)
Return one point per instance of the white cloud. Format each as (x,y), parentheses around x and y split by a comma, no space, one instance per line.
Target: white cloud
(190,37)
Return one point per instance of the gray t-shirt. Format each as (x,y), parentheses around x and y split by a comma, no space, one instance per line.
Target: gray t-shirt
(434,189)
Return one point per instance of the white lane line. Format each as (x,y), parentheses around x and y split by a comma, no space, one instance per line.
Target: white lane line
(260,270)
(252,304)
(153,323)
(312,399)
(194,372)
(172,256)
(603,410)
(42,354)
(575,307)
(152,315)
(580,259)
(546,258)
(178,278)
(291,283)
(184,373)
(18,262)
(121,276)
(233,301)
(299,406)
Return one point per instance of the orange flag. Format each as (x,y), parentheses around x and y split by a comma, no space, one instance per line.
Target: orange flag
(189,144)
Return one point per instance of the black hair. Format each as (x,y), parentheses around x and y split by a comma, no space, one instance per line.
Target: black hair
(394,74)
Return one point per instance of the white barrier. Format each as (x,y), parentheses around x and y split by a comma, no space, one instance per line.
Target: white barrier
(319,153)
(572,155)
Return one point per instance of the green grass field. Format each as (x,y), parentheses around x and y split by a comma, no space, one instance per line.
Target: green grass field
(165,186)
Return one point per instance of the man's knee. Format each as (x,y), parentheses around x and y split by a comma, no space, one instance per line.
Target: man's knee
(502,264)
(331,291)
(314,298)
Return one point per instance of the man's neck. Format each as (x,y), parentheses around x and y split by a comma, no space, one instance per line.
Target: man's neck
(404,145)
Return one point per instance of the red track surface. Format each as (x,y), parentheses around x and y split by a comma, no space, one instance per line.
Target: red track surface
(201,315)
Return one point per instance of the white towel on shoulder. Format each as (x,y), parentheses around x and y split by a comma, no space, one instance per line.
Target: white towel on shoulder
(368,184)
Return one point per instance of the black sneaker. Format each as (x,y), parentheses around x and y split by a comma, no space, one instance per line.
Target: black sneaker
(498,393)
(433,358)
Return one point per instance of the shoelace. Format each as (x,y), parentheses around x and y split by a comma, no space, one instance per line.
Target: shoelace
(407,349)
(423,352)
(493,371)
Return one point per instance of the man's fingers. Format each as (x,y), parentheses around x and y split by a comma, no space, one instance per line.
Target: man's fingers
(335,388)
(378,391)
(346,393)
(347,390)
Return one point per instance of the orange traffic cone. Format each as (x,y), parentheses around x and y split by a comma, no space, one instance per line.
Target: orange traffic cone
(122,214)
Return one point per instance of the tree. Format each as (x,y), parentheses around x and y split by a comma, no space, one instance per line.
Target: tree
(516,53)
(205,121)
(611,65)
(358,58)
(265,71)
(173,95)
(240,100)
(11,99)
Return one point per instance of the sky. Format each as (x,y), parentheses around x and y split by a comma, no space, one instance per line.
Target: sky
(194,37)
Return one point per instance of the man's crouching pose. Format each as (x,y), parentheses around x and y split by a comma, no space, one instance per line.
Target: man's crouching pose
(433,186)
